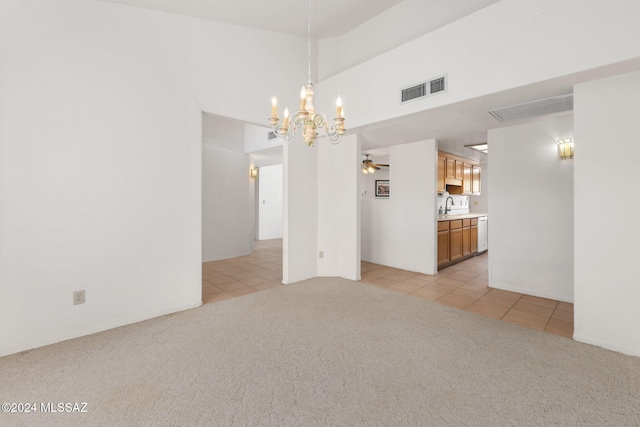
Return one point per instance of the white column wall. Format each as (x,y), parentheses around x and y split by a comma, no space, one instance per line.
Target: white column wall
(339,208)
(300,212)
(531,218)
(606,237)
(227,204)
(270,202)
(413,198)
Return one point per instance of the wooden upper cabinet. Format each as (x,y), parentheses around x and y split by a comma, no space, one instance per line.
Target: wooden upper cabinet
(459,169)
(467,188)
(462,175)
(451,169)
(442,165)
(475,180)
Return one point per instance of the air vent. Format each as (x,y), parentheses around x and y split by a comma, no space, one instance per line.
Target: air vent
(271,135)
(554,104)
(437,85)
(422,90)
(414,92)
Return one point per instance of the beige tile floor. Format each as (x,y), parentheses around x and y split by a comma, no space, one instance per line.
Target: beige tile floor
(463,286)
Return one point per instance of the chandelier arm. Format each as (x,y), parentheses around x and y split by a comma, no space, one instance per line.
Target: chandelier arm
(332,132)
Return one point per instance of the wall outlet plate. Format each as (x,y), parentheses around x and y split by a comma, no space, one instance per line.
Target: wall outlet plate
(78,297)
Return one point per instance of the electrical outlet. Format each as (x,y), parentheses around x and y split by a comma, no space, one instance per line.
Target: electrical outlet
(321,254)
(78,297)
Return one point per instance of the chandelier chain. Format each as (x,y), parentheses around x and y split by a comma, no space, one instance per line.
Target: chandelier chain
(309,46)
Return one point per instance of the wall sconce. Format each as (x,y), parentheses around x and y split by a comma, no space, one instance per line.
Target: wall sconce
(253,173)
(565,148)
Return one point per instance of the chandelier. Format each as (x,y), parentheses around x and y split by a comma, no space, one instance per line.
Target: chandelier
(307,118)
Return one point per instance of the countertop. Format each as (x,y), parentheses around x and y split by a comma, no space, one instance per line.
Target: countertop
(461,216)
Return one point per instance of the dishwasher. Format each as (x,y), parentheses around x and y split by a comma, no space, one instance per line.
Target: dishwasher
(483,226)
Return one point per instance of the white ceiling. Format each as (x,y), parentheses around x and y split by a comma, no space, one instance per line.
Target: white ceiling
(330,18)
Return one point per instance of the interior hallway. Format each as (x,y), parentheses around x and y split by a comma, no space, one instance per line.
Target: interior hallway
(463,286)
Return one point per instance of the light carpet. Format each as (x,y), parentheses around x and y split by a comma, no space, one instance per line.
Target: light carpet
(325,351)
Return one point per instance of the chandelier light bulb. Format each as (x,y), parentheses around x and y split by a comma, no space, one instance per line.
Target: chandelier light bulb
(285,125)
(274,107)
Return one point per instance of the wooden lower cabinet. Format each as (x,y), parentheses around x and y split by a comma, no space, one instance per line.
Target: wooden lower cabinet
(443,248)
(457,240)
(473,231)
(466,237)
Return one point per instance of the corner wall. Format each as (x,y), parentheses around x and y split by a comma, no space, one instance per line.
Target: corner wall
(531,200)
(400,231)
(606,235)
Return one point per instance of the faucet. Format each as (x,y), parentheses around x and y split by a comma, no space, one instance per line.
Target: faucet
(446,208)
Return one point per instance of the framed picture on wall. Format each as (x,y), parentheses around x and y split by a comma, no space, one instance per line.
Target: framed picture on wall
(382,188)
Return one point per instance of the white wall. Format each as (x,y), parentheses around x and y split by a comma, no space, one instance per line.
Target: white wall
(606,237)
(227,204)
(487,52)
(256,138)
(531,220)
(400,231)
(368,182)
(100,165)
(397,25)
(270,202)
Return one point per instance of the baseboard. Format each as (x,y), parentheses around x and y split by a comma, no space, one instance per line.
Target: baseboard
(128,321)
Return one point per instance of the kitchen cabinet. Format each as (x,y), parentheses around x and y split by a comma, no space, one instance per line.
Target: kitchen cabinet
(458,175)
(475,180)
(443,243)
(442,165)
(467,187)
(466,237)
(457,240)
(473,231)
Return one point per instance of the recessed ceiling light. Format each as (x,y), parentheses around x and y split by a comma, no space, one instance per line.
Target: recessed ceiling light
(483,148)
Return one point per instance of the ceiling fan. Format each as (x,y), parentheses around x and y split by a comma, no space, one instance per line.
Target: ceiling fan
(369,167)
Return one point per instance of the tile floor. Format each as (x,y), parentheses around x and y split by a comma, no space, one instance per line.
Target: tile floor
(243,275)
(463,286)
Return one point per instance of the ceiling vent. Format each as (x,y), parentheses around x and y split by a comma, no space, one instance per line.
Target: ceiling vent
(422,90)
(271,135)
(554,104)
